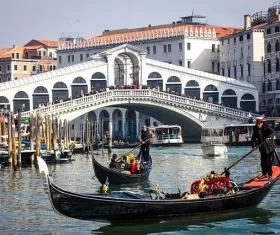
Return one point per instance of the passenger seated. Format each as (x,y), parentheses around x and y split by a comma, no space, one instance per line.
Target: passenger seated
(133,167)
(114,164)
(138,167)
(124,165)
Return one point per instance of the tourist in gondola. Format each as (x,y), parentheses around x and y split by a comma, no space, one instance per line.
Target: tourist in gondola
(262,132)
(124,166)
(144,139)
(114,164)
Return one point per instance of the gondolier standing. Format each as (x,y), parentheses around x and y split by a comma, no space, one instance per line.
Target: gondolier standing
(262,132)
(144,137)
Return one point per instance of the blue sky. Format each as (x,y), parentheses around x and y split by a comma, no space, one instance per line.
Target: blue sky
(28,19)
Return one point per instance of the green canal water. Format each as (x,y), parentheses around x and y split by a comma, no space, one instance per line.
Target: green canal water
(25,208)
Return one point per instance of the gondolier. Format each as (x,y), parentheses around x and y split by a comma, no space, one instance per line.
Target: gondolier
(144,137)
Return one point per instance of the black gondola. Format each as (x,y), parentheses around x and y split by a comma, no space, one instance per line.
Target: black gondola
(123,146)
(114,176)
(128,205)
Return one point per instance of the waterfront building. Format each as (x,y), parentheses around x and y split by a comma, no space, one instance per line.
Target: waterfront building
(190,43)
(270,95)
(241,53)
(18,62)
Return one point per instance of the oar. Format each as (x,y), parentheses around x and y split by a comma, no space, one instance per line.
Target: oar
(135,148)
(233,164)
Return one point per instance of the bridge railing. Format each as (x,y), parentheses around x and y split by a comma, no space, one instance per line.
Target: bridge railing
(68,105)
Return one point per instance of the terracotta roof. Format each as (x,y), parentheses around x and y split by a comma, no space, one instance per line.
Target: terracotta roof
(48,43)
(205,31)
(258,26)
(4,50)
(8,53)
(32,47)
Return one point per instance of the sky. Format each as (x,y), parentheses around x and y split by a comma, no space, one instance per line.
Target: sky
(24,20)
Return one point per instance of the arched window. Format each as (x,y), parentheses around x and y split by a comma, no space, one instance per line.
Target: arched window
(40,89)
(98,75)
(229,92)
(79,80)
(173,79)
(210,88)
(59,85)
(277,46)
(192,83)
(154,75)
(21,94)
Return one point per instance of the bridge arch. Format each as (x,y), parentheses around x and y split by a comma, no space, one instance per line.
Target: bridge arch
(60,91)
(229,98)
(79,87)
(98,81)
(118,124)
(155,79)
(192,89)
(211,94)
(248,103)
(104,117)
(21,101)
(174,83)
(40,96)
(131,124)
(4,103)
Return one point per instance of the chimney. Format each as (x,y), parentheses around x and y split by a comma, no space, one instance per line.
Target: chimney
(247,21)
(14,46)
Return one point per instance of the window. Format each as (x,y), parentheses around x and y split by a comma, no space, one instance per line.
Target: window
(222,42)
(180,46)
(189,64)
(268,48)
(277,65)
(73,58)
(180,63)
(154,49)
(277,48)
(44,53)
(235,72)
(50,67)
(228,71)
(268,31)
(248,36)
(169,47)
(81,57)
(54,67)
(249,49)
(213,66)
(234,40)
(0,68)
(277,29)
(69,59)
(223,72)
(249,69)
(60,59)
(41,68)
(188,46)
(228,41)
(17,55)
(213,48)
(15,67)
(241,70)
(34,68)
(50,54)
(87,55)
(268,66)
(234,53)
(39,53)
(13,55)
(218,67)
(8,67)
(148,50)
(24,67)
(218,48)
(240,38)
(241,52)
(164,48)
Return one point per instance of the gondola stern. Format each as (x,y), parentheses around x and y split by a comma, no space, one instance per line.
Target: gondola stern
(42,166)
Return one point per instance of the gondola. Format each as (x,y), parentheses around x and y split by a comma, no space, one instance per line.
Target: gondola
(128,205)
(122,146)
(114,176)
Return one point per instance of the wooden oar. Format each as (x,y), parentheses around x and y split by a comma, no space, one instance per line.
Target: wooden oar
(135,148)
(233,164)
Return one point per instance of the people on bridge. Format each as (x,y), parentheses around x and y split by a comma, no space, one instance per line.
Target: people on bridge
(262,132)
(144,139)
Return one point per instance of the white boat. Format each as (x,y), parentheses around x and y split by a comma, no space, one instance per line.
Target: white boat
(166,135)
(212,142)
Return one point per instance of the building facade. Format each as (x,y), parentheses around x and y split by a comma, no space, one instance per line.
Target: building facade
(241,53)
(270,95)
(189,43)
(19,62)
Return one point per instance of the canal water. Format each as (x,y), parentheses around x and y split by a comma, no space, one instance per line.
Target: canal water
(25,208)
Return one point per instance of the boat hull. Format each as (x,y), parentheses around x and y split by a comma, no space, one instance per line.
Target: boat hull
(89,207)
(214,150)
(103,173)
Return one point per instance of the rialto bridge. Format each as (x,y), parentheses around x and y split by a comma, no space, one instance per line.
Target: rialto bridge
(126,65)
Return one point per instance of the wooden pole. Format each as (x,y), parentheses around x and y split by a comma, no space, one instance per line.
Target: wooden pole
(43,123)
(14,154)
(75,133)
(50,133)
(38,134)
(9,117)
(19,138)
(54,142)
(47,133)
(56,128)
(87,134)
(68,134)
(110,137)
(102,134)
(65,133)
(60,131)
